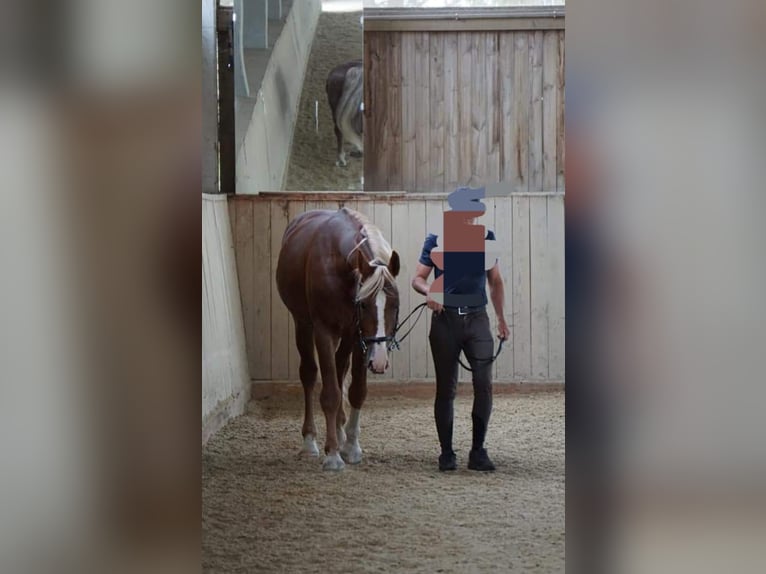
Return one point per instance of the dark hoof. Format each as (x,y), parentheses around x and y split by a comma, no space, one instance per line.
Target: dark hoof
(356,154)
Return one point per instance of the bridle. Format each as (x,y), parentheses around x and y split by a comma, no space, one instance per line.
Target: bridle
(393,341)
(364,342)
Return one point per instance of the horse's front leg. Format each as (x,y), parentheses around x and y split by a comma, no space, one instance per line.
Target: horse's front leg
(357,392)
(330,397)
(342,364)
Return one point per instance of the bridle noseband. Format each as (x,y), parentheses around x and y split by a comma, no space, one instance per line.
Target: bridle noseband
(364,342)
(393,342)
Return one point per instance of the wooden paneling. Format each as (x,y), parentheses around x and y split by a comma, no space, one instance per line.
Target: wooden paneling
(529,225)
(446,109)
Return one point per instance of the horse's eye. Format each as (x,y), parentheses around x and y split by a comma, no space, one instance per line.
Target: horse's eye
(362,306)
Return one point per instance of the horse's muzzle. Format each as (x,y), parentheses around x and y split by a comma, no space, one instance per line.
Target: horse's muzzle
(378,358)
(377,371)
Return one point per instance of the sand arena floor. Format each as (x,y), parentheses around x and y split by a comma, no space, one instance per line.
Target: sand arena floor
(311,167)
(267,510)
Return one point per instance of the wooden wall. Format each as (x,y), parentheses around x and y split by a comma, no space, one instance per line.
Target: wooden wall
(531,224)
(444,109)
(225,380)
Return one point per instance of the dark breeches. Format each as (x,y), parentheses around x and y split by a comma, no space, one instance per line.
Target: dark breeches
(450,334)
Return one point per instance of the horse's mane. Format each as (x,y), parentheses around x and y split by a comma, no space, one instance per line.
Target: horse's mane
(381,255)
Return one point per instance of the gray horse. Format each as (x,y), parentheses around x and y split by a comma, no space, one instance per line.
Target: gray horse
(345,88)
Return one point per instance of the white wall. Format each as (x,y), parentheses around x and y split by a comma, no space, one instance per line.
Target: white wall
(225,378)
(262,159)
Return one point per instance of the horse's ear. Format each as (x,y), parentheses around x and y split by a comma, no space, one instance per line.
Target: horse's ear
(393,264)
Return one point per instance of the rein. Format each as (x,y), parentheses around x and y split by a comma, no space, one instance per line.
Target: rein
(393,341)
(490,360)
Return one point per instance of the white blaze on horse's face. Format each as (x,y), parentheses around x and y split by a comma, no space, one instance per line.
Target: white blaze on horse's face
(379,353)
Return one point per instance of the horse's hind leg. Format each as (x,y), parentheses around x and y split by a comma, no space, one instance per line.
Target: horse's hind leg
(330,397)
(304,338)
(357,392)
(341,162)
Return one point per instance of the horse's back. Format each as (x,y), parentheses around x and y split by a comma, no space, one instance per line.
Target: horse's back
(306,223)
(300,240)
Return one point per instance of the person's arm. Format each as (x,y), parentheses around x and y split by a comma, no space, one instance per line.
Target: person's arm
(497,294)
(420,284)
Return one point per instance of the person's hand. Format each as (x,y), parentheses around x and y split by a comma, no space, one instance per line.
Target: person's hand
(432,304)
(502,329)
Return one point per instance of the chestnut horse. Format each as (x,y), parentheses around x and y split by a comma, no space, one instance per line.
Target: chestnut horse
(336,276)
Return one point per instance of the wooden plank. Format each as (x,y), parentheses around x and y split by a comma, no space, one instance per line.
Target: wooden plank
(394,55)
(374,114)
(508,99)
(246,264)
(232,205)
(560,123)
(422,111)
(434,224)
(451,112)
(339,196)
(409,160)
(280,318)
(494,107)
(464,108)
(550,108)
(262,286)
(381,114)
(418,339)
(380,214)
(354,204)
(536,112)
(522,366)
(556,293)
(490,222)
(520,122)
(294,209)
(538,280)
(330,204)
(312,204)
(504,235)
(437,131)
(478,111)
(403,242)
(463,26)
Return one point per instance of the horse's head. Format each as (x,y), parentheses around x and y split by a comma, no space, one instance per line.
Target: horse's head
(378,311)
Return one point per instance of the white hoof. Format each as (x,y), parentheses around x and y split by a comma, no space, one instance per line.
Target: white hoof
(309,446)
(351,452)
(340,164)
(333,461)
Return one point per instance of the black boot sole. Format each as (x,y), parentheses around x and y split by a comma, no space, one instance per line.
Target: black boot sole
(481,468)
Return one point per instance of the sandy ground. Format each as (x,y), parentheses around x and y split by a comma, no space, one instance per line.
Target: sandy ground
(267,510)
(338,39)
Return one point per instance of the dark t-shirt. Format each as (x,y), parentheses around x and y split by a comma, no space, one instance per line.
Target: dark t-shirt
(464,275)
